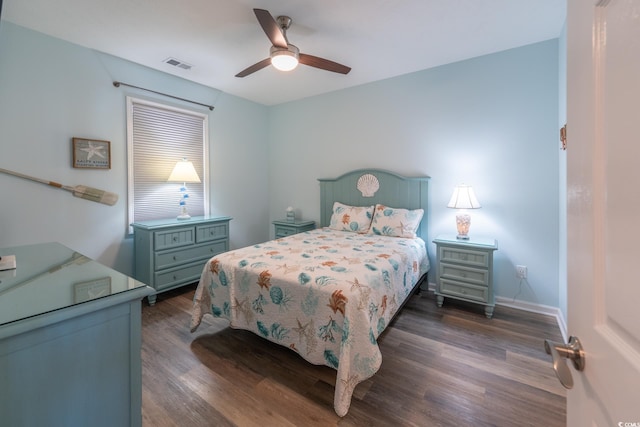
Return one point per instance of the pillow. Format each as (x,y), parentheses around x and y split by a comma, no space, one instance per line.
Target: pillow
(396,222)
(351,218)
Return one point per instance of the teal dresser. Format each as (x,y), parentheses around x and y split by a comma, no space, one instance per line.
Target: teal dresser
(70,341)
(465,270)
(171,253)
(284,228)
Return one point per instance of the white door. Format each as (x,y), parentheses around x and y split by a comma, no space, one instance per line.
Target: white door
(603,216)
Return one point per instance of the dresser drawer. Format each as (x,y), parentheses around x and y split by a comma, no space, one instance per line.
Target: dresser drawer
(184,275)
(464,290)
(464,274)
(181,256)
(173,238)
(170,253)
(464,256)
(206,233)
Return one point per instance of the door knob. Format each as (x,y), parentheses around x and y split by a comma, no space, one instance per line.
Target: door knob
(558,351)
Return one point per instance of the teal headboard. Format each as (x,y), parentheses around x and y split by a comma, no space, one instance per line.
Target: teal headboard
(394,190)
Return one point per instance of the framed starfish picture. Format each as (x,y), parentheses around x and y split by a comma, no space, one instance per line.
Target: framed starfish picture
(91,154)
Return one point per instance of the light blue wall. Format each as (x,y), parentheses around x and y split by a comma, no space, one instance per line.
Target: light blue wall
(490,122)
(51,91)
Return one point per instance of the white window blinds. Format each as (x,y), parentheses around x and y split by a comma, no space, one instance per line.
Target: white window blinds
(159,136)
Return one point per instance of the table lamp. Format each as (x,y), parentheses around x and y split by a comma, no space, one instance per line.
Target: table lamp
(184,172)
(463,198)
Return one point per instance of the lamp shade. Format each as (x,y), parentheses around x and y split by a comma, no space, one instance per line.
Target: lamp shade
(463,198)
(184,172)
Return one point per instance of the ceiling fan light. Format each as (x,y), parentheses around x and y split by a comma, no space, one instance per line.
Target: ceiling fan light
(284,59)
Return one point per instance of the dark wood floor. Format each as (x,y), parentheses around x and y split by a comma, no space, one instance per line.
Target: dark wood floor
(446,366)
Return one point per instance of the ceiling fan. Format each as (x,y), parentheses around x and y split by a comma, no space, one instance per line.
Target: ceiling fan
(283,55)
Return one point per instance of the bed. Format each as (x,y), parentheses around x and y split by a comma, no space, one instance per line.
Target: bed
(329,293)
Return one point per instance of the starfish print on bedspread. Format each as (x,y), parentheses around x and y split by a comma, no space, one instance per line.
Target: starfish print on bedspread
(349,384)
(288,269)
(306,334)
(364,290)
(244,308)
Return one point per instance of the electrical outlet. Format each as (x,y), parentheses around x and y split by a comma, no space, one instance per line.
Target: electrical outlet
(521,271)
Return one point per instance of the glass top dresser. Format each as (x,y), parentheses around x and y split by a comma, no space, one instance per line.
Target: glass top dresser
(70,338)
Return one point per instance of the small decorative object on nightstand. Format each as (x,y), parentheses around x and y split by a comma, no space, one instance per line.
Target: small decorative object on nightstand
(465,270)
(284,228)
(291,215)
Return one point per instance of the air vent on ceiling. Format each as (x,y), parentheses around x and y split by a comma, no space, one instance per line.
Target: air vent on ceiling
(177,63)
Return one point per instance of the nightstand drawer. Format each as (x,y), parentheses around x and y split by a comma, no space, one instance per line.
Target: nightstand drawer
(206,233)
(286,228)
(173,238)
(284,232)
(464,291)
(184,275)
(180,256)
(465,274)
(464,256)
(465,270)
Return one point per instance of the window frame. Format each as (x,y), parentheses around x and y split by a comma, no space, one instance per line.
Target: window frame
(130,101)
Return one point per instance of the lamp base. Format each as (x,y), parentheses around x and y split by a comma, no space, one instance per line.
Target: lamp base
(183,212)
(463,221)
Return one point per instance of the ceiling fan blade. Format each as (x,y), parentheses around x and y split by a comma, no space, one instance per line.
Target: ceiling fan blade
(255,67)
(271,28)
(324,64)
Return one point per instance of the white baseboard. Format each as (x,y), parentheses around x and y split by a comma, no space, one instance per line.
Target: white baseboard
(537,308)
(531,307)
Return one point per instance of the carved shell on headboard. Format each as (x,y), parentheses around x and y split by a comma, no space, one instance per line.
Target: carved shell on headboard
(368,185)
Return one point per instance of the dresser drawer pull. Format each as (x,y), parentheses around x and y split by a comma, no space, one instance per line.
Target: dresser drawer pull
(175,258)
(175,239)
(463,291)
(175,277)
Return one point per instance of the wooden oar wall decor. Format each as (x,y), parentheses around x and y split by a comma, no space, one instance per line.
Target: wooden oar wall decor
(81,191)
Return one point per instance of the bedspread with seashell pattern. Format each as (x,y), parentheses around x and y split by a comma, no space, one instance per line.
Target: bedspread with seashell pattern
(325,294)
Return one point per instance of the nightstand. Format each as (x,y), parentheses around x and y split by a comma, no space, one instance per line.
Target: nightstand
(171,253)
(465,270)
(284,228)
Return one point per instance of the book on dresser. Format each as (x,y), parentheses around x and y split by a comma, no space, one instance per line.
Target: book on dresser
(171,253)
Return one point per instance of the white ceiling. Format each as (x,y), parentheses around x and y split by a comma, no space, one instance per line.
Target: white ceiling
(378,39)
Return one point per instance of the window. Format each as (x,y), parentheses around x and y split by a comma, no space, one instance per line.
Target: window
(158,136)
